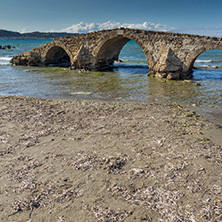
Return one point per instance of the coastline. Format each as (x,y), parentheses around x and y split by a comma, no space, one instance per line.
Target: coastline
(106,161)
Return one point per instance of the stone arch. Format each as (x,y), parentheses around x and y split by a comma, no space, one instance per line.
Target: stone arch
(109,48)
(57,56)
(191,57)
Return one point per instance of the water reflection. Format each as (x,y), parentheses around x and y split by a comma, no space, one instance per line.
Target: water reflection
(122,84)
(177,90)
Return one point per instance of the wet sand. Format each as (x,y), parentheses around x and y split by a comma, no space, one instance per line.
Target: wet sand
(105,161)
(215,116)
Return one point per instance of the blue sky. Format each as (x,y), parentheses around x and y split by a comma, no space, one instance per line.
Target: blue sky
(190,16)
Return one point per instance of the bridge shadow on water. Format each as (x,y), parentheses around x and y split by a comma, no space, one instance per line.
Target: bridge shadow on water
(129,68)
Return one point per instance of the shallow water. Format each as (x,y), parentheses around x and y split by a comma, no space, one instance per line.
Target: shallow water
(127,82)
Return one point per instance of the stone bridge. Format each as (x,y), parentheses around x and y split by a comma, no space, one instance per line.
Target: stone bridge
(169,55)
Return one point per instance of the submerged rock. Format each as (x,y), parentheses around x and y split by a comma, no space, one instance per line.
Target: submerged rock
(7,47)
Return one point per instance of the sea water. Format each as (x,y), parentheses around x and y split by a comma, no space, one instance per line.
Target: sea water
(127,81)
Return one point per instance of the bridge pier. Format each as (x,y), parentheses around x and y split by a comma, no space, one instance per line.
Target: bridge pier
(169,55)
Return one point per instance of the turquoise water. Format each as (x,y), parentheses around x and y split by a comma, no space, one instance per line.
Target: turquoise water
(127,82)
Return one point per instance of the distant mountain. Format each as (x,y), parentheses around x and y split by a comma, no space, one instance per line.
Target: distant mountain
(4,34)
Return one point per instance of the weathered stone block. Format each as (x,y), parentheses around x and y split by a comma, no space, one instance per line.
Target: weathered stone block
(173,76)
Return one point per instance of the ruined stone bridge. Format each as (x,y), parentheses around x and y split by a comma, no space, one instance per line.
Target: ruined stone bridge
(169,55)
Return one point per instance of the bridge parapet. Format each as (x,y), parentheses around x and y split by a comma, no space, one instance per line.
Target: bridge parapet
(169,55)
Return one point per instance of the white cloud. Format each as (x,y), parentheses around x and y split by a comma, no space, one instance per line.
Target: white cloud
(89,27)
(25,30)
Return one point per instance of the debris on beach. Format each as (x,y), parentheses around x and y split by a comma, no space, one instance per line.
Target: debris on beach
(97,161)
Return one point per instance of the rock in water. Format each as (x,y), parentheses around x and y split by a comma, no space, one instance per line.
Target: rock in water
(173,76)
(7,47)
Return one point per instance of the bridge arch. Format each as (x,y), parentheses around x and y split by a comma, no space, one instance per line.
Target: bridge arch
(109,48)
(57,56)
(191,57)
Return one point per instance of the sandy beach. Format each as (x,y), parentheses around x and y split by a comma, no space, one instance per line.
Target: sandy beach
(81,161)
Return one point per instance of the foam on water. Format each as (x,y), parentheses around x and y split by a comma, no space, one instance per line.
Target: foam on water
(208,61)
(4,63)
(203,61)
(5,60)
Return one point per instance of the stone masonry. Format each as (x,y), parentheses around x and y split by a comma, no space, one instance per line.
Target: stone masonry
(169,55)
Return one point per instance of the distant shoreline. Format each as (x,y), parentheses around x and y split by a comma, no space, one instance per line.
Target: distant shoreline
(10,35)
